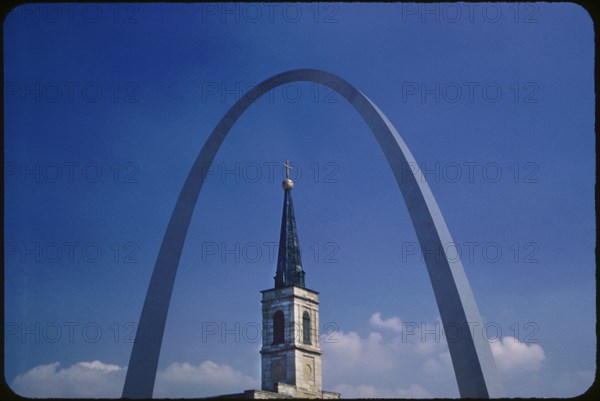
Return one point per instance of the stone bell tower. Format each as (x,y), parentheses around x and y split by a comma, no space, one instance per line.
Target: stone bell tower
(291,353)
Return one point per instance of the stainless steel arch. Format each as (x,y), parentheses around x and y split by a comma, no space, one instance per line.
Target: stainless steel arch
(474,365)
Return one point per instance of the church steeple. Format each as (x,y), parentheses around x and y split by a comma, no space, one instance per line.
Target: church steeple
(289,262)
(291,350)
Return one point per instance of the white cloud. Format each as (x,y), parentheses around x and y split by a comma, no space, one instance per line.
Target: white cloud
(441,364)
(101,380)
(426,346)
(351,353)
(368,391)
(395,360)
(84,379)
(106,367)
(387,364)
(514,356)
(394,323)
(183,380)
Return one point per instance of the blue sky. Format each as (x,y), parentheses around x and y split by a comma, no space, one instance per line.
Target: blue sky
(107,106)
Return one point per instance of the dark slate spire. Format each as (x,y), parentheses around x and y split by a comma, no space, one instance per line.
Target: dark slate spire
(289,263)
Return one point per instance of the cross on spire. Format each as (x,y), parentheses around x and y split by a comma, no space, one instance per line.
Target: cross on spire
(288,167)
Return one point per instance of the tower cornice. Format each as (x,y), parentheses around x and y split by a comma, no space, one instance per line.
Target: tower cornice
(291,347)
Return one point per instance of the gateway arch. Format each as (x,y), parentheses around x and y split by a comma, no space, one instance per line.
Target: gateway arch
(472,359)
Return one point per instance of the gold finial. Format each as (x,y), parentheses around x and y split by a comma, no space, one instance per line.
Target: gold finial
(287,183)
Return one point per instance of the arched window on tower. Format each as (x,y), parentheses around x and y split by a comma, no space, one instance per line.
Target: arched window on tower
(306,328)
(278,327)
